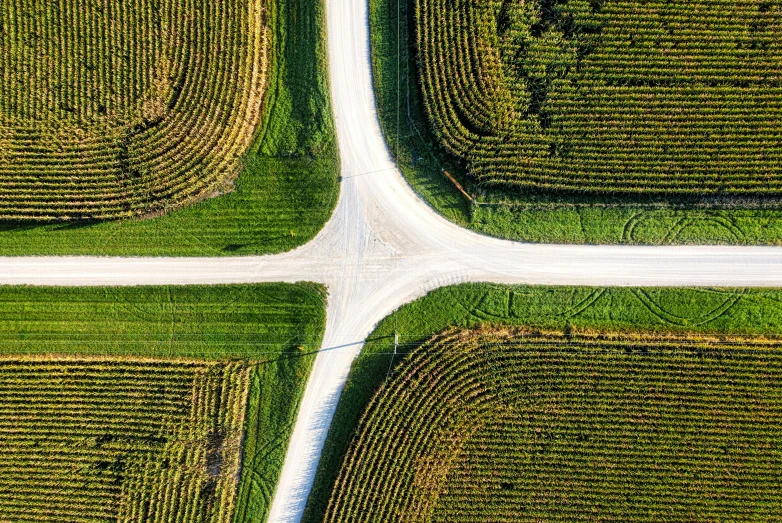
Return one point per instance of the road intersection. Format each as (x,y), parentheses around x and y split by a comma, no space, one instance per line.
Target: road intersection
(384,247)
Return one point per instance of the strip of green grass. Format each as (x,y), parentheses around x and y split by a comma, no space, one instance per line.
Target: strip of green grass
(532,217)
(284,195)
(277,327)
(728,311)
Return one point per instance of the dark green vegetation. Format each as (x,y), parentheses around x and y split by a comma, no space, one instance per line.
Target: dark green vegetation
(557,216)
(500,425)
(91,439)
(273,329)
(614,96)
(569,309)
(287,187)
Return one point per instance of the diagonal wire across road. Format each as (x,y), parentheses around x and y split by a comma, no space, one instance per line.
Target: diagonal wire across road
(384,247)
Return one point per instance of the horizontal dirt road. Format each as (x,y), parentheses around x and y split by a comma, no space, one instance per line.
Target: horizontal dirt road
(384,247)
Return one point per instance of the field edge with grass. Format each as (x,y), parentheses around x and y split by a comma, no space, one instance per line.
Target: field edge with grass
(741,312)
(534,216)
(285,194)
(274,328)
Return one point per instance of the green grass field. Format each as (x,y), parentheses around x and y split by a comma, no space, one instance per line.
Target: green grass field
(503,425)
(536,216)
(281,199)
(747,312)
(271,330)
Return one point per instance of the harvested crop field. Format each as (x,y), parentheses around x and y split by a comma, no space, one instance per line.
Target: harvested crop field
(115,109)
(91,439)
(510,425)
(620,96)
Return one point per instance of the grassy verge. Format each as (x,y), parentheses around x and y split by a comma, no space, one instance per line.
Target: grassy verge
(530,216)
(275,327)
(570,309)
(282,198)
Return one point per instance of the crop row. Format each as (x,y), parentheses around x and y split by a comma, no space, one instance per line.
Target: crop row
(625,95)
(113,109)
(496,426)
(95,440)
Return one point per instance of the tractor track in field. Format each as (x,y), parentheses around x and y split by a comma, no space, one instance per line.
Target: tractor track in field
(384,247)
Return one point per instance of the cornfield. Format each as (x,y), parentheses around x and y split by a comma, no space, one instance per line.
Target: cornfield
(114,108)
(99,440)
(502,426)
(622,96)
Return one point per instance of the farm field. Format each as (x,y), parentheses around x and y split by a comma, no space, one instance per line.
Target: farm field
(613,214)
(285,166)
(123,112)
(706,313)
(146,403)
(91,439)
(504,425)
(615,96)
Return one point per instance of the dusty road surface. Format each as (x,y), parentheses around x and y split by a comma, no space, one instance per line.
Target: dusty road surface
(384,247)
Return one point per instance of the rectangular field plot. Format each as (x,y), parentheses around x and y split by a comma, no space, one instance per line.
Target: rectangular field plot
(616,96)
(118,109)
(512,425)
(90,439)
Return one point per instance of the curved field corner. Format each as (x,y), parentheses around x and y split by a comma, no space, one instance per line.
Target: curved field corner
(151,403)
(230,103)
(628,312)
(563,133)
(126,110)
(615,96)
(513,425)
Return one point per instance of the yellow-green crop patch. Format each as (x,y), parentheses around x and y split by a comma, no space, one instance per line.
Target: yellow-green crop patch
(96,439)
(519,425)
(610,96)
(150,404)
(115,109)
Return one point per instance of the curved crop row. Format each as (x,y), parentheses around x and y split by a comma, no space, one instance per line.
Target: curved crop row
(510,426)
(641,96)
(93,440)
(124,108)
